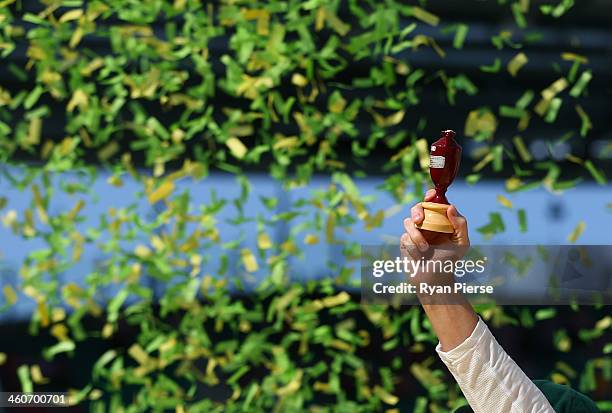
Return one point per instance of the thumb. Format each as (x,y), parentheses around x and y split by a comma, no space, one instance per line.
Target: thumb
(459,224)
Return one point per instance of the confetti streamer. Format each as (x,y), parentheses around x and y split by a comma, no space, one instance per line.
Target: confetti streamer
(480,123)
(248,260)
(586,121)
(577,232)
(71,15)
(9,294)
(555,88)
(553,110)
(522,149)
(236,147)
(425,16)
(162,192)
(581,84)
(494,226)
(522,218)
(517,12)
(24,378)
(559,10)
(598,175)
(525,99)
(493,68)
(460,35)
(505,202)
(517,63)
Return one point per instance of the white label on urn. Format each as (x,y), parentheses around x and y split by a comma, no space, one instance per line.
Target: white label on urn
(436,162)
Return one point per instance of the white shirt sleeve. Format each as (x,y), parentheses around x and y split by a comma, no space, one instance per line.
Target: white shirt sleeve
(490,380)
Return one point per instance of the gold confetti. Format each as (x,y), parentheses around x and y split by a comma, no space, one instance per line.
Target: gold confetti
(311,239)
(36,375)
(517,63)
(60,332)
(108,151)
(422,147)
(248,260)
(9,294)
(162,192)
(522,149)
(71,15)
(425,16)
(324,14)
(299,80)
(385,396)
(263,241)
(505,202)
(288,142)
(79,99)
(390,120)
(577,232)
(138,354)
(336,300)
(574,57)
(555,88)
(480,121)
(236,147)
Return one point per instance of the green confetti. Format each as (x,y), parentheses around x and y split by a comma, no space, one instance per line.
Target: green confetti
(598,175)
(522,149)
(511,112)
(525,99)
(115,305)
(553,110)
(460,35)
(522,218)
(495,225)
(586,124)
(23,373)
(545,313)
(519,18)
(492,68)
(581,84)
(473,178)
(559,10)
(61,347)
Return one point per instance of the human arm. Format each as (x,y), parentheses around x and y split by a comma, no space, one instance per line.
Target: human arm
(452,317)
(490,380)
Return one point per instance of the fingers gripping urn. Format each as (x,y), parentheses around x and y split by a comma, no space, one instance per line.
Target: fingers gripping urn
(444,161)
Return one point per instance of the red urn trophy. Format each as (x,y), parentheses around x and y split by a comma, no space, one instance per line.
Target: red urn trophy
(444,161)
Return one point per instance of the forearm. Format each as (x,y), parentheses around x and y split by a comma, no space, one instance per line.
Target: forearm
(452,323)
(451,315)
